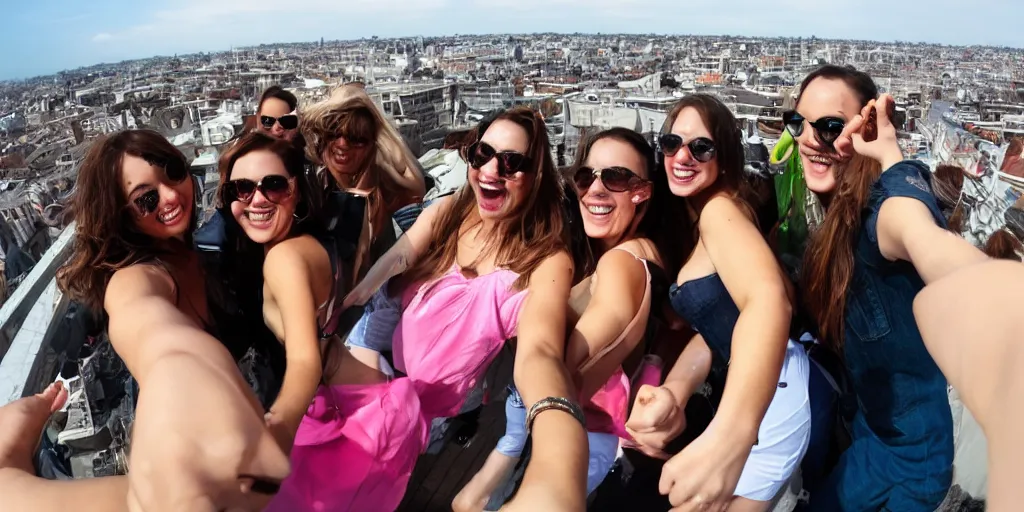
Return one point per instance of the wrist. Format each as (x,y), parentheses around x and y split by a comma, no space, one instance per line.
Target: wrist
(890,159)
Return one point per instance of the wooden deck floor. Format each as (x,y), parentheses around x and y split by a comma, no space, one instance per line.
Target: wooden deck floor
(438,478)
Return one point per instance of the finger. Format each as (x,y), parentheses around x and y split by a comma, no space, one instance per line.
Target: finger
(60,399)
(882,111)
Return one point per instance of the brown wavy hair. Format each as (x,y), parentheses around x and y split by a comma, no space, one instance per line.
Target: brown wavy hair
(105,237)
(828,261)
(350,113)
(523,240)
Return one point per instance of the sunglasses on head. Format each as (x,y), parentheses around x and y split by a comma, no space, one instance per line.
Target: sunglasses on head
(147,202)
(509,162)
(701,148)
(615,179)
(288,122)
(827,129)
(275,188)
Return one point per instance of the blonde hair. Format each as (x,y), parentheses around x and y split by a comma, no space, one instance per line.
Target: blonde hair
(350,111)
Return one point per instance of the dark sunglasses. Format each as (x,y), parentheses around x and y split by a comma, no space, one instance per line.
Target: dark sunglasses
(147,203)
(615,179)
(827,129)
(275,188)
(702,148)
(509,162)
(288,122)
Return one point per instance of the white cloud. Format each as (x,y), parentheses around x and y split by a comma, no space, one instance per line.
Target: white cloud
(102,36)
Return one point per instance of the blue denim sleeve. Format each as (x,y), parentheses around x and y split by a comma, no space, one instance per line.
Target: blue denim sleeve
(406,216)
(909,178)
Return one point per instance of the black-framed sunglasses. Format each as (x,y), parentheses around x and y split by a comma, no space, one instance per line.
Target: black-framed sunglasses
(701,148)
(509,162)
(827,129)
(615,179)
(288,121)
(275,188)
(147,203)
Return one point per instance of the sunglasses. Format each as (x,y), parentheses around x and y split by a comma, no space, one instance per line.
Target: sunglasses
(509,162)
(615,179)
(147,203)
(288,122)
(275,188)
(827,129)
(702,148)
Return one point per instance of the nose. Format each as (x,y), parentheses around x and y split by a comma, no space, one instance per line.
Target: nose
(258,199)
(277,130)
(490,169)
(597,187)
(168,195)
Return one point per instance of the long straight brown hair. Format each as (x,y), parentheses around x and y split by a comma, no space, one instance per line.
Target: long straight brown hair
(522,241)
(105,237)
(828,261)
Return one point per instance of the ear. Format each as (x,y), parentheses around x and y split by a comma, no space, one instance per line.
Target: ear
(641,193)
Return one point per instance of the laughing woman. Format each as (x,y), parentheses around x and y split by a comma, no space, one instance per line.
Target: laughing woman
(480,267)
(882,240)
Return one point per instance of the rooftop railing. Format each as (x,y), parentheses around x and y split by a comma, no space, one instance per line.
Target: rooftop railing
(27,324)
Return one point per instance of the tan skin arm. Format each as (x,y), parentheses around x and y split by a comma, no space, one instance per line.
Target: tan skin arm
(288,275)
(690,371)
(618,295)
(24,491)
(754,280)
(556,476)
(193,437)
(400,256)
(970,323)
(907,231)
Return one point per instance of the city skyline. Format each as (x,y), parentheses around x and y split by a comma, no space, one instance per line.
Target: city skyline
(87,34)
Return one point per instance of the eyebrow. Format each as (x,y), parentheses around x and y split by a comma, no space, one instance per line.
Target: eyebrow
(137,188)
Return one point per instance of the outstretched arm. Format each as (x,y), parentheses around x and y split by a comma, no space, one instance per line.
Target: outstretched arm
(193,437)
(400,256)
(556,477)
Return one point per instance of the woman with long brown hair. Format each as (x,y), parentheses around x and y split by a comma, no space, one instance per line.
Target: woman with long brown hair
(882,240)
(732,291)
(478,268)
(134,205)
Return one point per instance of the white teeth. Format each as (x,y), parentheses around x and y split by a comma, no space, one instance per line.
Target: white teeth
(820,160)
(683,173)
(171,215)
(599,210)
(489,186)
(260,216)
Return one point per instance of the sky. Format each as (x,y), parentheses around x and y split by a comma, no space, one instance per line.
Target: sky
(41,37)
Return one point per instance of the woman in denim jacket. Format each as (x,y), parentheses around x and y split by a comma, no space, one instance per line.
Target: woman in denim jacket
(882,239)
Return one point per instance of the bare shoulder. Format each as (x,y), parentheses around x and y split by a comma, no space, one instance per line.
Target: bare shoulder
(295,254)
(554,269)
(723,212)
(137,281)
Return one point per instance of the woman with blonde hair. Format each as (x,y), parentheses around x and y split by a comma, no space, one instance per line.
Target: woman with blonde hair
(359,151)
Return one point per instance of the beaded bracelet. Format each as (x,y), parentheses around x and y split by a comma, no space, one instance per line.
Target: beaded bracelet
(555,402)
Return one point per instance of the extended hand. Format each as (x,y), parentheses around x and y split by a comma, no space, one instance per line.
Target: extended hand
(197,434)
(21,422)
(885,148)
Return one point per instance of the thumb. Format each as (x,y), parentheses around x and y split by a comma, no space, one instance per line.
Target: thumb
(40,406)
